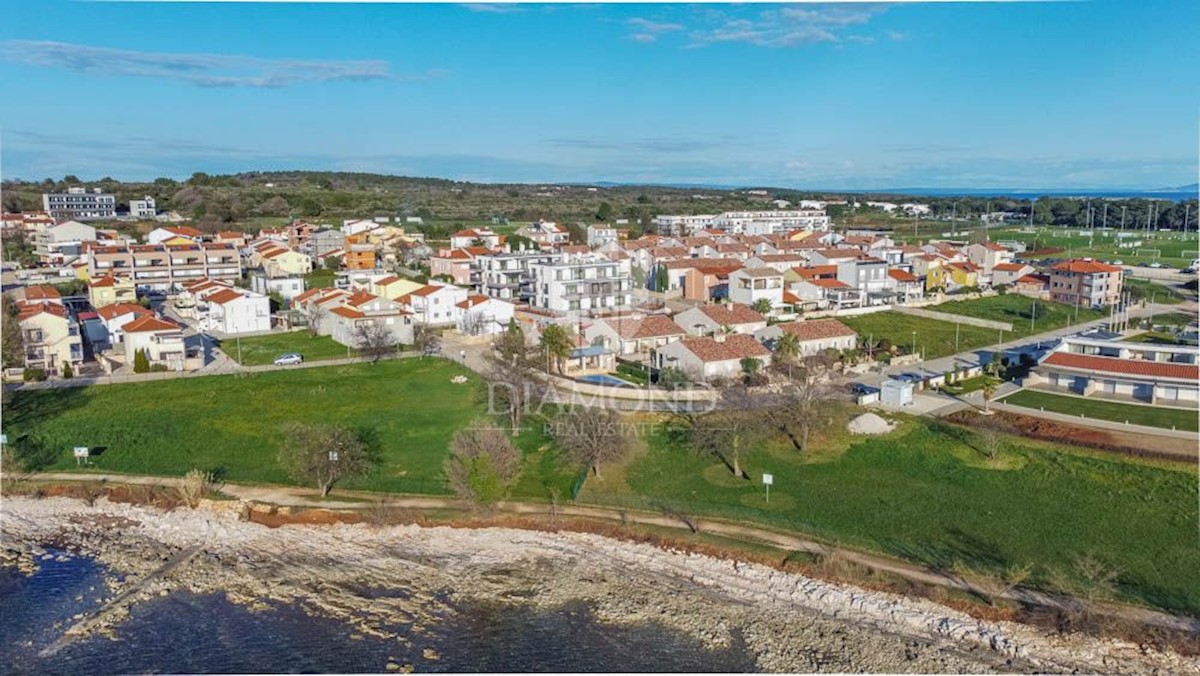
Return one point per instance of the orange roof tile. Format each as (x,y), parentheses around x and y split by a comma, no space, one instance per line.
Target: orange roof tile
(817,329)
(149,323)
(1135,367)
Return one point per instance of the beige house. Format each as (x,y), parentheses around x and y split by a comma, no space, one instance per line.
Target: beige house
(726,317)
(279,261)
(814,335)
(632,334)
(110,290)
(51,340)
(704,359)
(1085,282)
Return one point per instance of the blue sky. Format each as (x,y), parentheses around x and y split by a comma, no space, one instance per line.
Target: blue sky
(1099,94)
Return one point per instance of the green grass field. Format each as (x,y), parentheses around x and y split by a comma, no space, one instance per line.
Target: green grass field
(1019,311)
(1153,416)
(1144,289)
(923,494)
(1174,249)
(937,338)
(259,350)
(320,278)
(408,409)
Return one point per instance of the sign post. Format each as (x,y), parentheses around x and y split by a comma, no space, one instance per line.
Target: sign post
(81,455)
(768,479)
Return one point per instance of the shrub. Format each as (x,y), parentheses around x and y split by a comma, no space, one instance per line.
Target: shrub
(67,371)
(34,375)
(196,484)
(141,362)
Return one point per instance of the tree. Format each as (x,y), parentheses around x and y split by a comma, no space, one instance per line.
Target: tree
(763,306)
(331,262)
(323,454)
(483,464)
(591,436)
(511,344)
(787,349)
(989,390)
(276,206)
(728,431)
(671,377)
(67,371)
(141,362)
(556,346)
(803,403)
(604,212)
(425,339)
(373,339)
(12,341)
(514,388)
(315,314)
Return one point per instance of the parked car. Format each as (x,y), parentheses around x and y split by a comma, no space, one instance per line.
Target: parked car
(289,359)
(1156,264)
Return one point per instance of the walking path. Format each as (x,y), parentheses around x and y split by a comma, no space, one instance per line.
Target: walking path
(300,497)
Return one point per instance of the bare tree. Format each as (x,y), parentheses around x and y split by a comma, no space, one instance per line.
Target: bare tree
(483,464)
(472,323)
(373,339)
(425,339)
(315,314)
(323,454)
(990,444)
(803,402)
(592,436)
(514,388)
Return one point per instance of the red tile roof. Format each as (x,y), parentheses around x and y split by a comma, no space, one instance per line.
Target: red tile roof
(817,329)
(1134,367)
(27,310)
(829,283)
(816,271)
(224,296)
(1086,267)
(41,292)
(651,326)
(901,275)
(106,280)
(1009,267)
(347,312)
(116,310)
(734,347)
(730,314)
(149,323)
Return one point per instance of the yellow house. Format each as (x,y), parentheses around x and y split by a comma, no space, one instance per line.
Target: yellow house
(110,290)
(951,276)
(51,341)
(392,287)
(279,261)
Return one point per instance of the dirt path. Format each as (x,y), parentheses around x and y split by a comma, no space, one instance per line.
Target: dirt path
(361,500)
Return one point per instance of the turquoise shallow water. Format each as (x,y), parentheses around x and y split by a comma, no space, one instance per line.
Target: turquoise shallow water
(183,632)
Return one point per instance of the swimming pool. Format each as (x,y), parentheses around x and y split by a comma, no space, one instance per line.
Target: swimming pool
(605,379)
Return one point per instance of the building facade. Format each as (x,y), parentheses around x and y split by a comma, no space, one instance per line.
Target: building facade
(80,204)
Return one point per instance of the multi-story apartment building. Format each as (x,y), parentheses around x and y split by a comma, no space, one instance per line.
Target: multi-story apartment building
(162,267)
(321,243)
(599,235)
(509,276)
(1085,282)
(682,225)
(745,222)
(584,285)
(80,205)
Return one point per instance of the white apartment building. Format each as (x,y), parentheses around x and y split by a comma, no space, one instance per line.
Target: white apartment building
(599,235)
(56,244)
(79,204)
(236,311)
(581,286)
(749,285)
(143,208)
(509,276)
(682,225)
(771,222)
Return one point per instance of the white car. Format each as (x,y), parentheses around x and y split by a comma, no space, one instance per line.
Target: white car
(289,359)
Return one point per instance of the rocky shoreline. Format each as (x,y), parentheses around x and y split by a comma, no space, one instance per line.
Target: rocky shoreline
(790,623)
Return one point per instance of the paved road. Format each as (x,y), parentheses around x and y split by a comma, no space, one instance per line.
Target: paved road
(302,497)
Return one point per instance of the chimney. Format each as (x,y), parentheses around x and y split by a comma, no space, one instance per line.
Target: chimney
(719,337)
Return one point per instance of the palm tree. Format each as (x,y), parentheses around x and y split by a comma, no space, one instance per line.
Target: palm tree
(787,348)
(763,306)
(556,343)
(989,390)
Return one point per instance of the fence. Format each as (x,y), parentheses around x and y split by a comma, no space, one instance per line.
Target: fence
(956,319)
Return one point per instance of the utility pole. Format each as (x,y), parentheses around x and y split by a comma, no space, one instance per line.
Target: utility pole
(1105,219)
(1122,219)
(1032,315)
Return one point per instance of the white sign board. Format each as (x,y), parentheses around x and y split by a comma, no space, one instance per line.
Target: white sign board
(81,451)
(3,438)
(768,479)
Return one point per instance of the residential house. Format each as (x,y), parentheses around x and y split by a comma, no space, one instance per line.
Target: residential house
(906,286)
(484,316)
(952,276)
(57,244)
(476,237)
(987,255)
(279,261)
(720,318)
(1033,285)
(116,317)
(545,233)
(359,252)
(700,279)
(460,266)
(869,276)
(174,234)
(435,304)
(391,286)
(1005,274)
(111,289)
(708,358)
(362,308)
(750,285)
(599,235)
(287,287)
(813,335)
(1085,282)
(509,276)
(323,242)
(51,339)
(358,226)
(633,335)
(161,341)
(776,261)
(237,311)
(1163,375)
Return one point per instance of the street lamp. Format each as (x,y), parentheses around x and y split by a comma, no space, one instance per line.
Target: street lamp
(914,342)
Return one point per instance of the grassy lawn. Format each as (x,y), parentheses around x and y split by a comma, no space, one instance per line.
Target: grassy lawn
(969,385)
(1162,294)
(258,350)
(408,409)
(935,338)
(1175,249)
(923,494)
(1019,310)
(1136,414)
(321,278)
